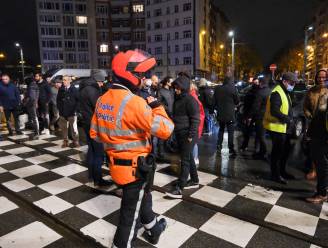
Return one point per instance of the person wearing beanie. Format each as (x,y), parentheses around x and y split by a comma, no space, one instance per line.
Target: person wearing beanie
(186,119)
(90,90)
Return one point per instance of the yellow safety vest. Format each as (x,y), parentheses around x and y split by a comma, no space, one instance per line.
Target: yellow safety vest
(270,122)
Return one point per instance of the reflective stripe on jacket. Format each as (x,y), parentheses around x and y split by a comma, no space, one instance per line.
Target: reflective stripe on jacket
(125,123)
(270,122)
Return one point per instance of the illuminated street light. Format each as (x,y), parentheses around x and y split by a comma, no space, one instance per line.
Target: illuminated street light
(309,47)
(203,32)
(306,39)
(232,35)
(221,46)
(325,35)
(2,56)
(116,47)
(21,59)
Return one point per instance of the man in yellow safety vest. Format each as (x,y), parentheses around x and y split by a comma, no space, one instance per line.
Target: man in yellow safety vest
(278,120)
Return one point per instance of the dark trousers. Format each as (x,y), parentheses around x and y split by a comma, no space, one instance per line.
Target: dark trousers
(32,114)
(160,147)
(231,128)
(280,151)
(95,157)
(136,206)
(319,152)
(247,131)
(8,113)
(43,111)
(188,165)
(260,136)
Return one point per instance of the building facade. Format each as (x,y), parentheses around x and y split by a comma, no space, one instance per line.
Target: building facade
(183,37)
(321,36)
(87,33)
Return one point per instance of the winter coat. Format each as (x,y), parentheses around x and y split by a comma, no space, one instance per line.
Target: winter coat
(44,92)
(249,100)
(311,100)
(144,92)
(193,93)
(186,115)
(226,99)
(259,103)
(315,105)
(9,96)
(68,101)
(32,95)
(275,103)
(89,94)
(166,97)
(206,96)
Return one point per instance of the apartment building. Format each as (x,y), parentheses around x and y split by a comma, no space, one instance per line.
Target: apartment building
(87,33)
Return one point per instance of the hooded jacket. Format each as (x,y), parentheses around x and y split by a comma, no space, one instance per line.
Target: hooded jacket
(226,99)
(89,94)
(186,115)
(9,96)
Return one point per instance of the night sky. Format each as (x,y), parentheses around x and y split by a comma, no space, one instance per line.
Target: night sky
(265,24)
(268,24)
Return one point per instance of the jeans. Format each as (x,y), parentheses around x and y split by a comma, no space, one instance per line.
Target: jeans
(136,207)
(43,111)
(208,121)
(188,165)
(69,121)
(31,110)
(260,136)
(54,114)
(280,151)
(319,153)
(195,152)
(95,157)
(231,128)
(8,113)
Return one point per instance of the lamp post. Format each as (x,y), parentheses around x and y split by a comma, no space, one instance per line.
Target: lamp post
(232,35)
(22,59)
(306,39)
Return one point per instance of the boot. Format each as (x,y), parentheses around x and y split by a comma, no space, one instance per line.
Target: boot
(75,144)
(65,144)
(152,235)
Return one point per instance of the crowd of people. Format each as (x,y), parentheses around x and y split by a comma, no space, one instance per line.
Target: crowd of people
(126,130)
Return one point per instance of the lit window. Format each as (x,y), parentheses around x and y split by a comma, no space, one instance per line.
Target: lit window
(82,19)
(138,8)
(104,48)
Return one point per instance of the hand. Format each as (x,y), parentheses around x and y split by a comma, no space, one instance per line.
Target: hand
(190,140)
(150,99)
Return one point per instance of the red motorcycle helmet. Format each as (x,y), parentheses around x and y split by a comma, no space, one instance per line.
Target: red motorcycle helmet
(132,64)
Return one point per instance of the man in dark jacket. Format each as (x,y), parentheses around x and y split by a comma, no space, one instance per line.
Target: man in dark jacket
(166,97)
(226,99)
(9,102)
(247,117)
(186,118)
(67,103)
(31,99)
(278,120)
(257,113)
(43,103)
(90,91)
(206,96)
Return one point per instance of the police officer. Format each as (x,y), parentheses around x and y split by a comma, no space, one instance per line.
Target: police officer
(125,122)
(278,120)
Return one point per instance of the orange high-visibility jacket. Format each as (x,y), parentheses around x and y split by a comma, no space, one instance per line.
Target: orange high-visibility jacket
(124,123)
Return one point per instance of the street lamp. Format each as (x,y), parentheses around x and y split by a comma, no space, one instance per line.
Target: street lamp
(232,35)
(306,39)
(2,56)
(22,59)
(325,35)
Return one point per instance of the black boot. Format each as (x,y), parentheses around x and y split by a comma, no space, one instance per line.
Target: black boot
(152,235)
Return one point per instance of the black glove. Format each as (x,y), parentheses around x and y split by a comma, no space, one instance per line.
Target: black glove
(154,104)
